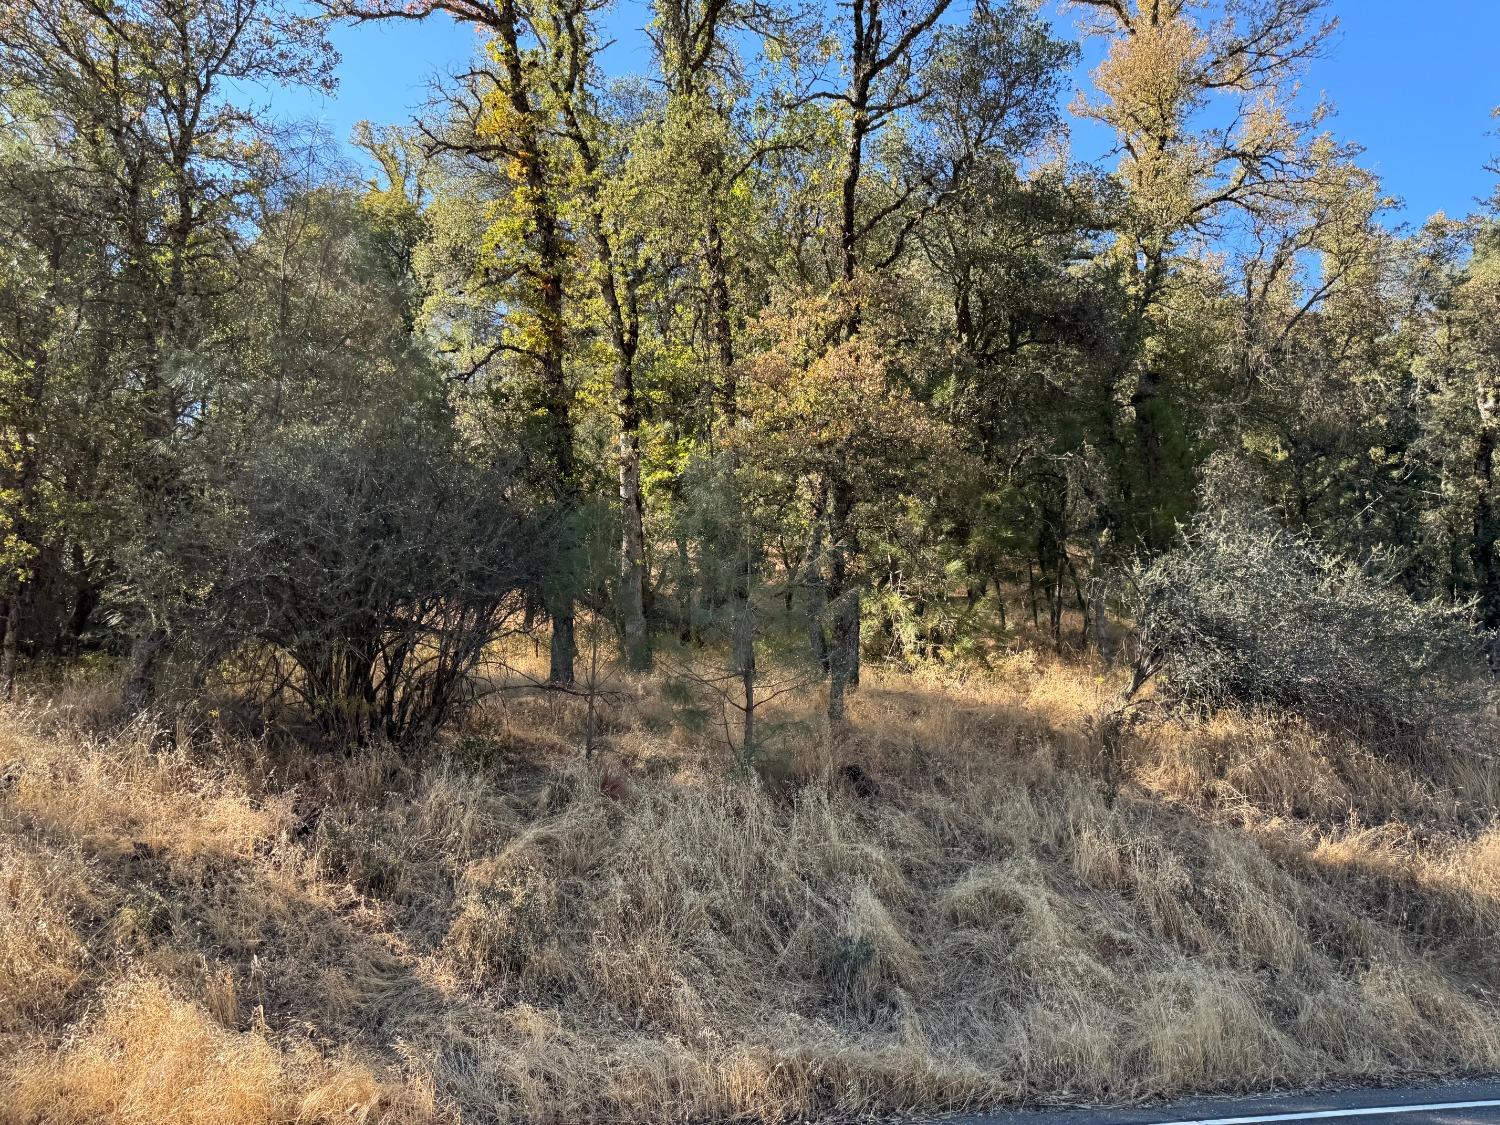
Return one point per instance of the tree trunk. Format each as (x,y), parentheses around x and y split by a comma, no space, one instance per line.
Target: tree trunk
(85,600)
(1055,598)
(633,558)
(139,689)
(1098,604)
(743,644)
(817,590)
(720,330)
(843,665)
(1486,526)
(852,636)
(29,471)
(624,324)
(563,649)
(9,647)
(632,576)
(687,592)
(747,739)
(742,641)
(617,283)
(844,654)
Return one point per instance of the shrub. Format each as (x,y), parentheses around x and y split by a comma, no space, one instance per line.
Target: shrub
(365,573)
(1244,611)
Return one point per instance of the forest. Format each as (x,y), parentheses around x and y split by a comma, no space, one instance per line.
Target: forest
(622,594)
(819,312)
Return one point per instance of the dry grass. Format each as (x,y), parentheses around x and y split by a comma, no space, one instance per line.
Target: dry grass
(199,929)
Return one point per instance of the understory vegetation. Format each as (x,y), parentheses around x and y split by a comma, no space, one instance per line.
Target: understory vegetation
(953,906)
(766,588)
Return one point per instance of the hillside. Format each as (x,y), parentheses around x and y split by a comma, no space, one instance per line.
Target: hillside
(948,909)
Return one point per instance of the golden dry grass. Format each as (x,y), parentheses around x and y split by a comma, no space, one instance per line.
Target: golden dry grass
(200,929)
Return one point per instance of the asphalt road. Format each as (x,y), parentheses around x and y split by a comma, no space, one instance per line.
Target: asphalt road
(1466,1103)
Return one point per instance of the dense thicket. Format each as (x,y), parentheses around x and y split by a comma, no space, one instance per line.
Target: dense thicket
(1244,612)
(819,310)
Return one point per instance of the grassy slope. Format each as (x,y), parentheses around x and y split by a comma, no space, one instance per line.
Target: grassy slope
(231,933)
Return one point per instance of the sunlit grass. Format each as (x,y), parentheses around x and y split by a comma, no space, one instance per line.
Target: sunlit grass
(209,929)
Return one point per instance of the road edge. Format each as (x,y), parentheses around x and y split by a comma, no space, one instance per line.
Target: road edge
(1212,1107)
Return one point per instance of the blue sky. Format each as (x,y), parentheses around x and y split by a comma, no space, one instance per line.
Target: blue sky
(1414,81)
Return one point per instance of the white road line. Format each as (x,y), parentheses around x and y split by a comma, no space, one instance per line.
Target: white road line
(1320,1114)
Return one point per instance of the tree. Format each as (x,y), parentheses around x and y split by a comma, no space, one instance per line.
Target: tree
(46,371)
(567,42)
(142,98)
(1201,99)
(1457,364)
(500,119)
(887,53)
(831,430)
